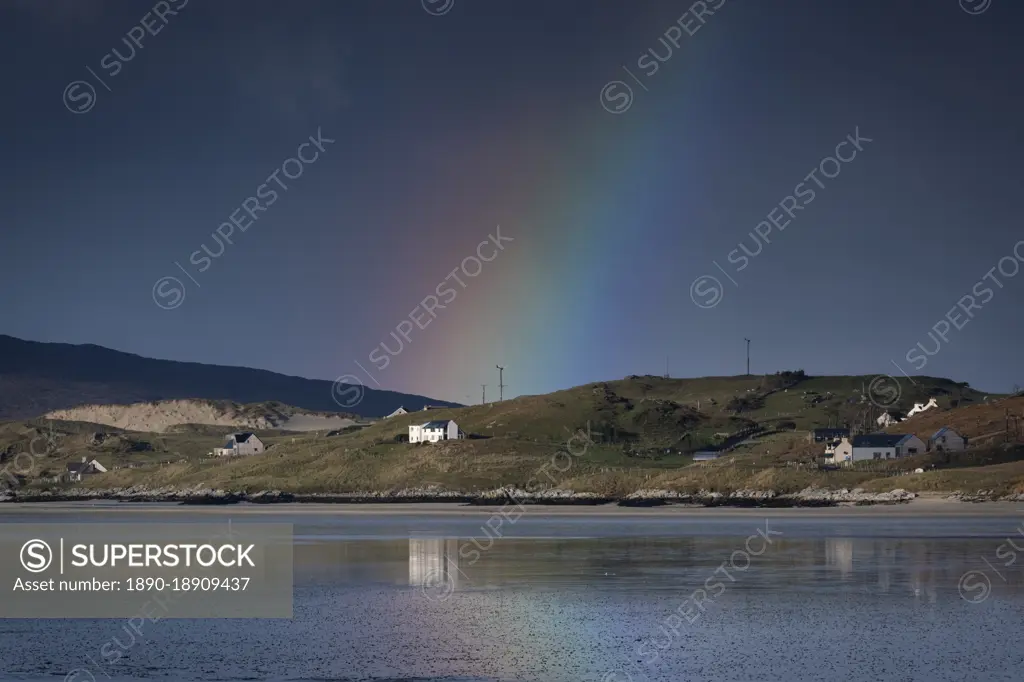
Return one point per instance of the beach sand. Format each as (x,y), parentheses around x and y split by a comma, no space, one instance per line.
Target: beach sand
(922,506)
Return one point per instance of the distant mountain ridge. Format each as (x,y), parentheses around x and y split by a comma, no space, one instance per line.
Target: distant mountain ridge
(37,378)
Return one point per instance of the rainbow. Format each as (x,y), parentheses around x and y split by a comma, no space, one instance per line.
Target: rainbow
(553,308)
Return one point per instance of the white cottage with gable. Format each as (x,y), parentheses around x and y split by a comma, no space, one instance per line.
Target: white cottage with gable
(433,431)
(77,470)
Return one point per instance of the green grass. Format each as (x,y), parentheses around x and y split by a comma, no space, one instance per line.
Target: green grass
(643,431)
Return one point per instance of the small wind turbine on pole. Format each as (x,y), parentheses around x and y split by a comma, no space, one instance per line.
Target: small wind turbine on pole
(501,380)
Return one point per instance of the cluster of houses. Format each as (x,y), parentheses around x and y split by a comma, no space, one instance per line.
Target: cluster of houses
(247,443)
(237,444)
(840,448)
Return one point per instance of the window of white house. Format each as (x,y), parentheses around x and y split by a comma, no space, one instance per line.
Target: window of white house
(878,455)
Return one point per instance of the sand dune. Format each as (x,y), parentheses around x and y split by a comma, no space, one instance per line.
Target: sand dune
(157,417)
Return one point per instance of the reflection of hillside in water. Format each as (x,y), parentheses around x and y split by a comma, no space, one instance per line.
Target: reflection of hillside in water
(920,566)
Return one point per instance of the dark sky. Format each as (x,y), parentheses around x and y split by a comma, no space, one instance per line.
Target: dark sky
(444,120)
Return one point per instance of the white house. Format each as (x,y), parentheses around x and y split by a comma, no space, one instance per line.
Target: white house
(415,433)
(889,418)
(839,453)
(921,407)
(76,470)
(433,431)
(240,444)
(946,439)
(885,446)
(400,410)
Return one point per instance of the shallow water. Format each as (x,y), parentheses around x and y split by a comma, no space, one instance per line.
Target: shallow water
(421,596)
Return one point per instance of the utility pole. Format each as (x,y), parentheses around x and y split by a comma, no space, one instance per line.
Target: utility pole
(666,367)
(483,395)
(501,380)
(748,355)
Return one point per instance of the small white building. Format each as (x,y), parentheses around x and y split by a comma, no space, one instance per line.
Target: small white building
(240,444)
(946,439)
(76,470)
(400,410)
(921,407)
(885,446)
(889,418)
(433,431)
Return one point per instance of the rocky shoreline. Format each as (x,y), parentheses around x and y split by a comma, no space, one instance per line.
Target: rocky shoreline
(810,497)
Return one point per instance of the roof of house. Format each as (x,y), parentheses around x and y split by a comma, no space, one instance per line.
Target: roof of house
(944,430)
(242,437)
(82,467)
(879,440)
(437,424)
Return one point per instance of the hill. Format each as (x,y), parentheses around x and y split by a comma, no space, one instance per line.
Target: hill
(36,378)
(611,438)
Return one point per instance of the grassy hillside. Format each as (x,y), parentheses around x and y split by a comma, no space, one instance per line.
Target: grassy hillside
(979,420)
(642,433)
(40,449)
